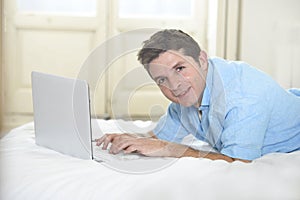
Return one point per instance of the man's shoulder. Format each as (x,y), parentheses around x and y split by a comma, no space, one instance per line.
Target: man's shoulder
(224,65)
(223,71)
(229,71)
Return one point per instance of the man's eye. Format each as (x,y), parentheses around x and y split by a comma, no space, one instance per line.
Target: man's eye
(180,68)
(160,81)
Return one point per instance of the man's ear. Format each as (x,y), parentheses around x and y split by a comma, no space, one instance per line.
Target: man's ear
(203,60)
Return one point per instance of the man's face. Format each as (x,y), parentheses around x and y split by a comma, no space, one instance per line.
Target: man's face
(179,77)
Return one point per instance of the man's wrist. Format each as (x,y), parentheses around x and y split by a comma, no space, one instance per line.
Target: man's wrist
(179,150)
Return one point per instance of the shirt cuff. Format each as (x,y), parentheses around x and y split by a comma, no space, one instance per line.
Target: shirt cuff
(242,152)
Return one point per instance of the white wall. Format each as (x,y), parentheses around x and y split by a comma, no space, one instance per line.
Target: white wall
(270,38)
(1,86)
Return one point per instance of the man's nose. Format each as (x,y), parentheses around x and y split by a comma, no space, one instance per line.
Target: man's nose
(174,83)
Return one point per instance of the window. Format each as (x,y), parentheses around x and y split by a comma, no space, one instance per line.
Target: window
(58,7)
(155,8)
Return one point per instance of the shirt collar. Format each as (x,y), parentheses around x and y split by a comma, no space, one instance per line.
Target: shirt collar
(206,92)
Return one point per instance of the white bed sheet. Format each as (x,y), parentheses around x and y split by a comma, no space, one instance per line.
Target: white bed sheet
(32,172)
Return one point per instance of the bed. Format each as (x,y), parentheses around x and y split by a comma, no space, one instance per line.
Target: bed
(32,172)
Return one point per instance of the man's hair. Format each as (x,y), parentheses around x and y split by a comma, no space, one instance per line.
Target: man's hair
(165,40)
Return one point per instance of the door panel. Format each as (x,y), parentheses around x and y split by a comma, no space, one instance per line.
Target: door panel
(56,44)
(50,51)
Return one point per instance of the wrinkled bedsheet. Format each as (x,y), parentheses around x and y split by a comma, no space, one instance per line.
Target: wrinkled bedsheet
(31,172)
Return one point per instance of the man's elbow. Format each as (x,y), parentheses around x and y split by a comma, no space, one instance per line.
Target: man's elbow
(242,160)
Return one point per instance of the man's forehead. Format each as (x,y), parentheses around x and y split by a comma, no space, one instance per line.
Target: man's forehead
(168,56)
(156,69)
(167,59)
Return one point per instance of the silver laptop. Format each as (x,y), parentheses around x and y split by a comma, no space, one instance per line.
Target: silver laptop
(63,123)
(62,118)
(62,114)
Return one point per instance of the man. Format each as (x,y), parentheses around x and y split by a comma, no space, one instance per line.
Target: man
(240,111)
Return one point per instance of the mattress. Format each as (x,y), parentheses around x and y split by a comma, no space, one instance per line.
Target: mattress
(32,172)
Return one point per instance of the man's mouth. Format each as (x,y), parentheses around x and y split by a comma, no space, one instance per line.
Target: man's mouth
(181,94)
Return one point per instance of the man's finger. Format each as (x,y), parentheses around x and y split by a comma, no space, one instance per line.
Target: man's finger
(131,149)
(105,140)
(99,141)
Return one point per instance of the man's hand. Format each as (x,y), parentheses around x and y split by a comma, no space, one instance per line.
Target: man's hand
(147,146)
(151,146)
(106,139)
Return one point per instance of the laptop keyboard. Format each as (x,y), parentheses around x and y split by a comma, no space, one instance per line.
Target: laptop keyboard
(103,155)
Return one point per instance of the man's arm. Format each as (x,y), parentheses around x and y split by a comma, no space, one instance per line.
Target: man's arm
(210,155)
(151,146)
(190,152)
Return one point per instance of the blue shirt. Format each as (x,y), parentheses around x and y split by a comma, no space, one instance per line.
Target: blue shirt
(245,113)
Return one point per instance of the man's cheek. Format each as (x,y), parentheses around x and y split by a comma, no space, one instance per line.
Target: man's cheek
(167,93)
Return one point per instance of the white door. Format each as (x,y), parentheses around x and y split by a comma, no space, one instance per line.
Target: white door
(48,36)
(82,41)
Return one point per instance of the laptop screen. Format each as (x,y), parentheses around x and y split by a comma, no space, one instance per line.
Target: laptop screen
(62,114)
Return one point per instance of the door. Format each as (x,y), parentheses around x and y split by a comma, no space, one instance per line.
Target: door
(89,40)
(48,36)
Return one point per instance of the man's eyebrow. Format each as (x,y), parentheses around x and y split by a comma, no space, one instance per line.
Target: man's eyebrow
(158,77)
(174,67)
(178,64)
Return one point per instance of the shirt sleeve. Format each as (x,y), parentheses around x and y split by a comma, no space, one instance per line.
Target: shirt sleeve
(244,129)
(169,126)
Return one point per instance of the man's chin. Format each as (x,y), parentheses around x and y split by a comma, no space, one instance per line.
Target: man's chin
(187,104)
